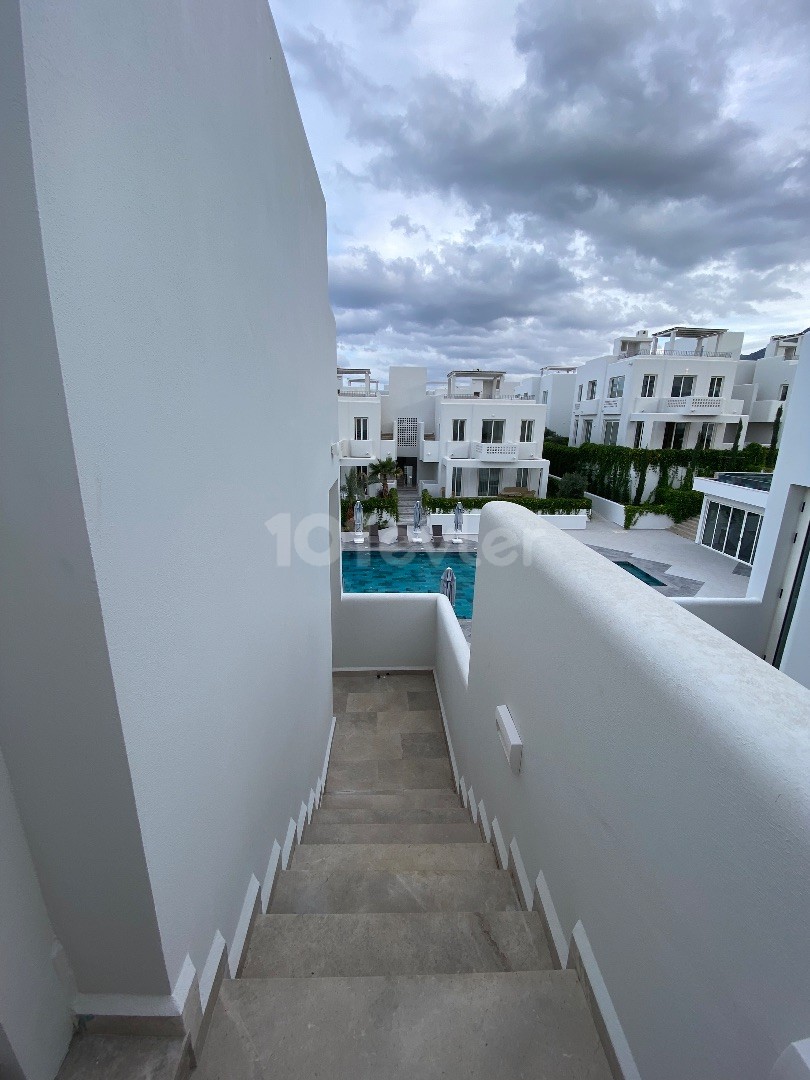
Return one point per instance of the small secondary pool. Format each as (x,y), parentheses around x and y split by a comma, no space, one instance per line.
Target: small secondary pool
(637,572)
(410,572)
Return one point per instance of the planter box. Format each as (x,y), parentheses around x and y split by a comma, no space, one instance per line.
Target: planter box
(614,512)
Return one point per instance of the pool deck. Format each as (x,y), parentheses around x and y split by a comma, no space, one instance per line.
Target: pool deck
(686,568)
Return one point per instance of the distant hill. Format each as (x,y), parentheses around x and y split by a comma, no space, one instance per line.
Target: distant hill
(761,352)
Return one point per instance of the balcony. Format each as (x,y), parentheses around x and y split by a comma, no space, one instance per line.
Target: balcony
(612,406)
(590,407)
(527,451)
(696,353)
(356,393)
(429,449)
(361,448)
(458,396)
(505,451)
(692,405)
(764,412)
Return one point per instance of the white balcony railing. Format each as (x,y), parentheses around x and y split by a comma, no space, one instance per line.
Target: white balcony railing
(527,451)
(354,393)
(589,407)
(612,405)
(458,396)
(504,451)
(361,448)
(694,352)
(692,404)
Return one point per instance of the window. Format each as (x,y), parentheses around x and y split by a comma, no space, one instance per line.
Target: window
(579,392)
(591,389)
(611,432)
(716,386)
(705,437)
(576,430)
(455,482)
(587,429)
(783,391)
(489,481)
(674,436)
(648,386)
(459,430)
(492,431)
(526,430)
(361,428)
(682,385)
(522,478)
(639,435)
(731,530)
(545,397)
(616,386)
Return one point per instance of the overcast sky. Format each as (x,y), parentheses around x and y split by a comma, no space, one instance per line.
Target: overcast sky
(515,183)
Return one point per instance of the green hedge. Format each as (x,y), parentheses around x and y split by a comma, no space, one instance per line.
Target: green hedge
(677,503)
(619,472)
(380,504)
(538,506)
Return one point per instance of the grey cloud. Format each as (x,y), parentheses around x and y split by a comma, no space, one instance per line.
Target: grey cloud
(394,15)
(404,224)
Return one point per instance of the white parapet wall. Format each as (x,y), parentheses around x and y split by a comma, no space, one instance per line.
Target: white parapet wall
(614,512)
(663,797)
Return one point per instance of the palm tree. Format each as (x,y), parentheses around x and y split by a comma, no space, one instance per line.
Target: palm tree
(383,471)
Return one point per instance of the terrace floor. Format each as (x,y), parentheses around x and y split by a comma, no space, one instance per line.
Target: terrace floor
(689,569)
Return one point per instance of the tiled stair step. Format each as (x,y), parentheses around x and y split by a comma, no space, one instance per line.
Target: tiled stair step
(383,815)
(407,799)
(325,891)
(110,1057)
(389,776)
(511,1025)
(352,745)
(425,943)
(361,859)
(399,833)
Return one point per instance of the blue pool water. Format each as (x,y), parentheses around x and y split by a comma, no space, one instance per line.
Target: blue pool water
(410,572)
(642,575)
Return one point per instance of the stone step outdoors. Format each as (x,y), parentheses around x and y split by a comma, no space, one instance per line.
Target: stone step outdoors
(394,858)
(407,799)
(121,1057)
(352,744)
(325,891)
(389,776)
(426,943)
(510,1025)
(399,833)
(381,815)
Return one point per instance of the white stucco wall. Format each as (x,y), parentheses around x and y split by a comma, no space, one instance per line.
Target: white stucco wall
(35,1019)
(663,797)
(183,231)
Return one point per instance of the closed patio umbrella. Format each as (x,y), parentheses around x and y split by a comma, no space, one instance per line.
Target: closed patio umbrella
(417,517)
(358,522)
(458,517)
(448,586)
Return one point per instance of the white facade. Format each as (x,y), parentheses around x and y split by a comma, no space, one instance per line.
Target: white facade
(480,434)
(646,395)
(165,692)
(774,618)
(764,386)
(554,387)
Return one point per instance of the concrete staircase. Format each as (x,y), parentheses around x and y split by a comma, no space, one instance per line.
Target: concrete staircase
(394,945)
(407,496)
(688,528)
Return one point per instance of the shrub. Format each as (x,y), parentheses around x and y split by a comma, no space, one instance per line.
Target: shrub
(531,502)
(571,486)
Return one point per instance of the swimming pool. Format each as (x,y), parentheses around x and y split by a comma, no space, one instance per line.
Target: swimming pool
(410,572)
(637,572)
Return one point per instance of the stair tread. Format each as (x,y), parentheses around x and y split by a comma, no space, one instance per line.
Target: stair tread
(382,815)
(102,1057)
(325,891)
(474,1026)
(390,776)
(407,798)
(393,833)
(409,943)
(422,858)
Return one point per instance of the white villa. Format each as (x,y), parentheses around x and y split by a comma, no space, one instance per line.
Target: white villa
(674,389)
(252,825)
(554,387)
(478,434)
(764,386)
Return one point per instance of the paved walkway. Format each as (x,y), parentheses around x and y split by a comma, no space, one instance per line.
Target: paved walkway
(690,568)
